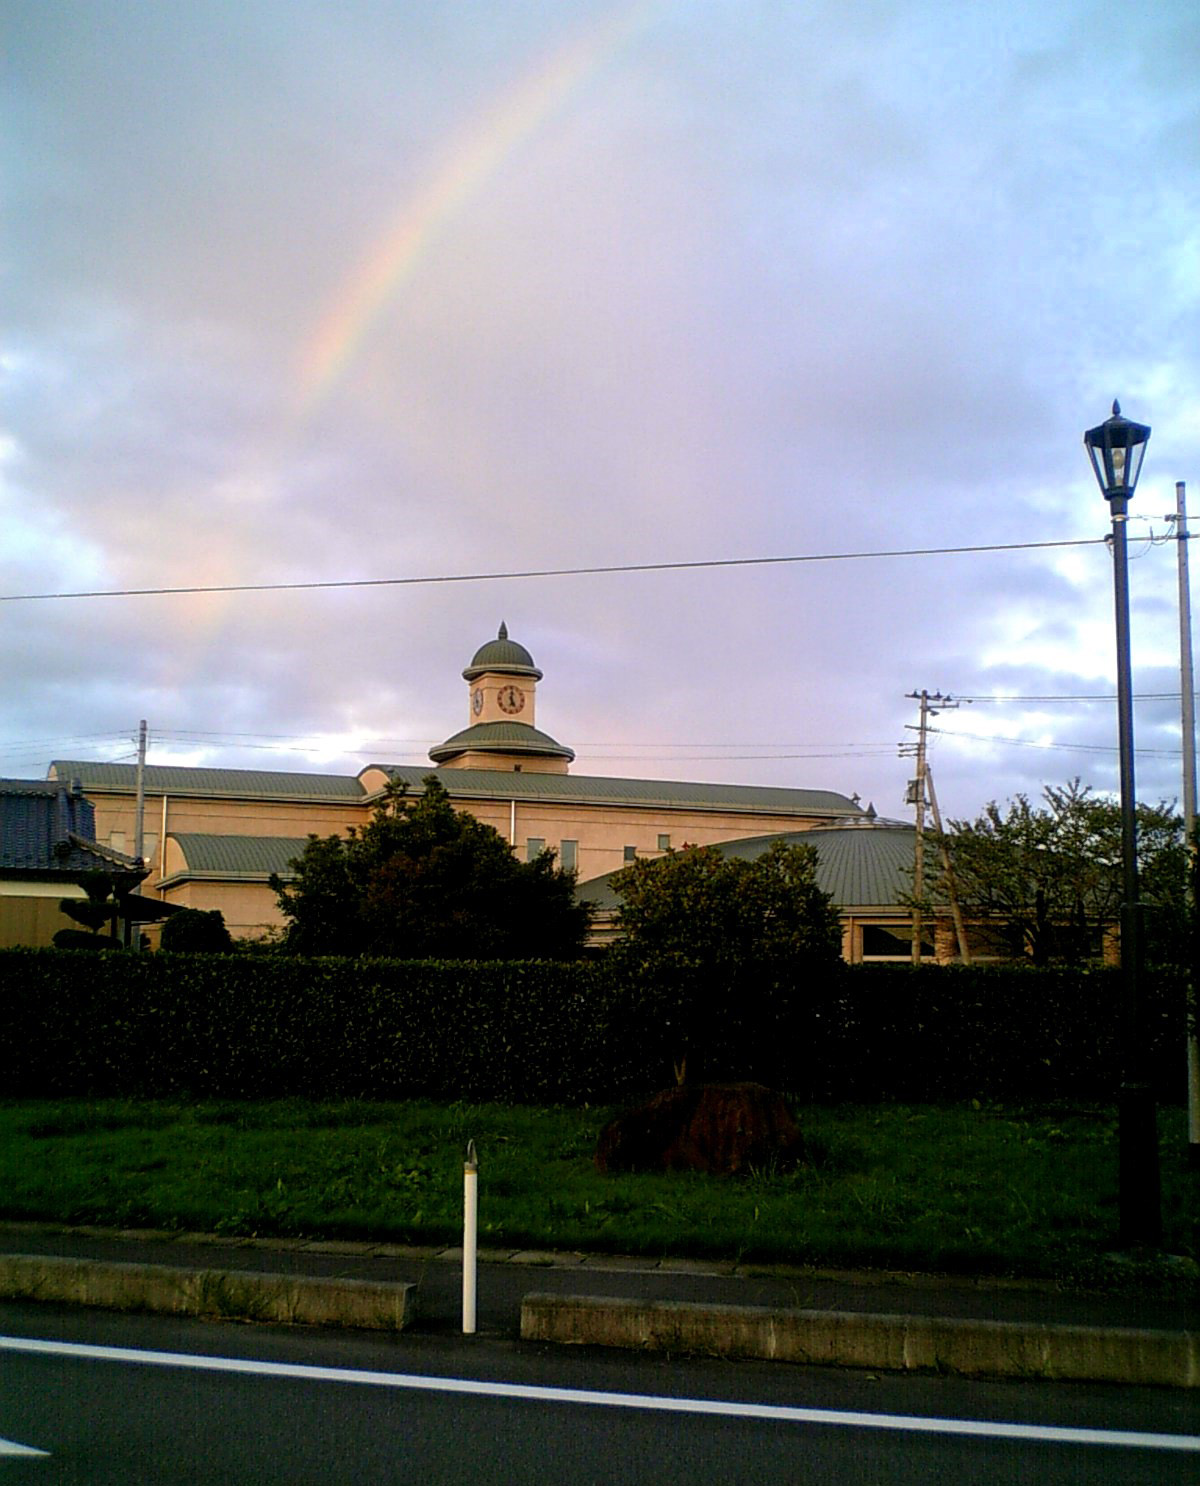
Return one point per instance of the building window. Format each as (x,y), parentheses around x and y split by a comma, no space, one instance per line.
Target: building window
(568,855)
(664,843)
(631,853)
(534,846)
(892,942)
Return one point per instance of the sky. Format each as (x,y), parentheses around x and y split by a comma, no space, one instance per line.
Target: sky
(412,299)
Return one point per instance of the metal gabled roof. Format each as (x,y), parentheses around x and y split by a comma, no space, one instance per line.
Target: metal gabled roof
(662,794)
(169,779)
(463,784)
(858,866)
(251,858)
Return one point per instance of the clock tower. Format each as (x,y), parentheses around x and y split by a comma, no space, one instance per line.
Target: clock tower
(502,682)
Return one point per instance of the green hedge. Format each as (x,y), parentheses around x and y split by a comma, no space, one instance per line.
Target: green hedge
(237,1026)
(892,1032)
(262,1027)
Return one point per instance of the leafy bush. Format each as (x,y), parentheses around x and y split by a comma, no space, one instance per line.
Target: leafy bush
(720,948)
(196,931)
(81,939)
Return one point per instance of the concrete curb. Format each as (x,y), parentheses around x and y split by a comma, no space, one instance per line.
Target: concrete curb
(303,1300)
(1005,1349)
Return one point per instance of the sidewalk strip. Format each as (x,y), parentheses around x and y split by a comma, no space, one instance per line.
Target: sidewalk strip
(972,1347)
(292,1299)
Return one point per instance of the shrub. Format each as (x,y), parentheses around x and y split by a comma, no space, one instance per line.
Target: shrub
(81,939)
(196,931)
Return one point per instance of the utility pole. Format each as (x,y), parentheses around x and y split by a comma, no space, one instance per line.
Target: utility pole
(139,833)
(917,795)
(139,820)
(960,932)
(1188,729)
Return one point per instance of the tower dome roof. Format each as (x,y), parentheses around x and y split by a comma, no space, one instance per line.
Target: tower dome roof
(503,655)
(509,739)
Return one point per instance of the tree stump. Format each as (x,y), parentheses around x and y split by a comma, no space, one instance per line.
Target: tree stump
(719,1128)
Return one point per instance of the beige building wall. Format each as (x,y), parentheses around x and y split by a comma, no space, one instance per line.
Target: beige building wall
(603,834)
(600,837)
(249,909)
(530,764)
(30,915)
(487,691)
(608,836)
(116,821)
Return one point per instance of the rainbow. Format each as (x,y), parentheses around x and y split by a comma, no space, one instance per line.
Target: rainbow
(380,275)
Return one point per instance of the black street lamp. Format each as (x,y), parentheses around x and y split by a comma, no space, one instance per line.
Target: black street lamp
(1116,449)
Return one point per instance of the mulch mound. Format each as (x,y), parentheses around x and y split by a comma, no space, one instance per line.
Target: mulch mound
(718,1128)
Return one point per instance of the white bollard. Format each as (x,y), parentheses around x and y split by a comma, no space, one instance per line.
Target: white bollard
(470,1237)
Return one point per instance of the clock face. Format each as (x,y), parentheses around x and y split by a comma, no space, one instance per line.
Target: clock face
(477,701)
(511,699)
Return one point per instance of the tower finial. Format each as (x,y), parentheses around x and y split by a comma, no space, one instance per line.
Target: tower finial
(503,635)
(1116,408)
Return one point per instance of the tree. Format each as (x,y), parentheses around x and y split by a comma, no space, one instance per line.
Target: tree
(94,911)
(425,881)
(1046,880)
(721,943)
(196,931)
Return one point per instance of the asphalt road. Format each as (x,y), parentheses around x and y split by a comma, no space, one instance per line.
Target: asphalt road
(131,1399)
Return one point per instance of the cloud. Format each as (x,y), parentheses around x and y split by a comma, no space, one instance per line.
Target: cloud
(751,287)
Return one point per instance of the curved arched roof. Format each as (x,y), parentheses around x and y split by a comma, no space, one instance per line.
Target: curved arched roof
(859,866)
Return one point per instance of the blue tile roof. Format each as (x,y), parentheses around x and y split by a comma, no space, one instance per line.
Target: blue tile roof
(48,827)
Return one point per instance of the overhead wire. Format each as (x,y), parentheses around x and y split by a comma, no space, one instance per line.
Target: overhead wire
(1068,747)
(580,572)
(292,742)
(1110,697)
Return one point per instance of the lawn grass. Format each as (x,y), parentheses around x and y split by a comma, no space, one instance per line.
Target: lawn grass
(990,1190)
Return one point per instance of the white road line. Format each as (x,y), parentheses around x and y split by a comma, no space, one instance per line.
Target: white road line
(10,1447)
(910,1423)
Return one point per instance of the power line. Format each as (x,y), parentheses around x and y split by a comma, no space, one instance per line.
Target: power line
(37,746)
(192,735)
(1143,696)
(601,752)
(1068,747)
(636,567)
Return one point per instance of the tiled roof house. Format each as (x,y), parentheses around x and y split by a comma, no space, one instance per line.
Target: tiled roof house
(48,847)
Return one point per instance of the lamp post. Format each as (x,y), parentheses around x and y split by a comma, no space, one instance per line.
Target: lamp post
(1116,449)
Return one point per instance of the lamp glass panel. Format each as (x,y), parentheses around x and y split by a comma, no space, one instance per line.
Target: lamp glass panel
(1096,455)
(1134,466)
